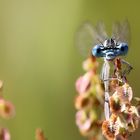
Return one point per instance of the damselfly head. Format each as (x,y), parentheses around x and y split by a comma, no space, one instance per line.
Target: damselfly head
(110,49)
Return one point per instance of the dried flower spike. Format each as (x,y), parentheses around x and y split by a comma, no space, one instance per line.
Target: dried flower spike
(7,109)
(40,134)
(4,134)
(89,101)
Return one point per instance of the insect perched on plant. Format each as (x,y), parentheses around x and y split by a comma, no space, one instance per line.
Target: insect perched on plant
(95,41)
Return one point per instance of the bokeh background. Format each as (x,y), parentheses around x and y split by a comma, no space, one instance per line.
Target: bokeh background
(39,62)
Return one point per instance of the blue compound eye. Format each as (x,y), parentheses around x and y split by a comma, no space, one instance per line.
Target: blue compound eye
(97,51)
(123,49)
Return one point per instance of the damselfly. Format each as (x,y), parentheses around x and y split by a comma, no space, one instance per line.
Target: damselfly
(95,40)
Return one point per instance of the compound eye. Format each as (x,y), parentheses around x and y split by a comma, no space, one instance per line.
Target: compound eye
(123,47)
(97,51)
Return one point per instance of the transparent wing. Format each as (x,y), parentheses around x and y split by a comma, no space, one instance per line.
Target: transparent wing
(100,28)
(88,35)
(121,31)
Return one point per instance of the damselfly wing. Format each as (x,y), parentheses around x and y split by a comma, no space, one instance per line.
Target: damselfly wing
(88,35)
(121,32)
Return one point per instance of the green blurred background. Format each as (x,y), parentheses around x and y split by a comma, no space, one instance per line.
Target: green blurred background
(39,62)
